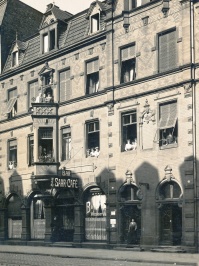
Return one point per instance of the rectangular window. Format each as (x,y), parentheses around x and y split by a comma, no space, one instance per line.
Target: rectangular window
(12,103)
(66,143)
(95,23)
(128,64)
(92,71)
(15,58)
(129,131)
(52,39)
(136,3)
(33,92)
(12,157)
(93,138)
(168,126)
(30,150)
(45,145)
(167,49)
(65,85)
(45,43)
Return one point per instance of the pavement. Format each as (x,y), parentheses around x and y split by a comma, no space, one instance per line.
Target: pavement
(128,254)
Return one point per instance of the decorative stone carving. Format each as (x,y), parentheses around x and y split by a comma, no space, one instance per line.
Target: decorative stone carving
(147,115)
(187,87)
(44,111)
(168,173)
(110,109)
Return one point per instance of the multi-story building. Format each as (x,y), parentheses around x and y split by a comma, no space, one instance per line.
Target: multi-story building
(98,126)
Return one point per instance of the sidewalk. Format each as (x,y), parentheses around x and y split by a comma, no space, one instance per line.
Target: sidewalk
(120,255)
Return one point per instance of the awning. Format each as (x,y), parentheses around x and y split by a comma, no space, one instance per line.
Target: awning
(10,104)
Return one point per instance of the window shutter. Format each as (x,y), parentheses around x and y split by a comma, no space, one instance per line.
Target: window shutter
(168,115)
(167,51)
(128,53)
(33,91)
(92,66)
(65,88)
(11,104)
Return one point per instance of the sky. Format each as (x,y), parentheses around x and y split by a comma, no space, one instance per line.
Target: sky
(72,6)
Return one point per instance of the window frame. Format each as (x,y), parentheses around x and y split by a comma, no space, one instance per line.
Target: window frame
(134,143)
(89,75)
(97,19)
(158,48)
(95,152)
(15,58)
(13,112)
(45,154)
(174,140)
(69,80)
(30,138)
(12,164)
(51,42)
(28,93)
(62,138)
(122,62)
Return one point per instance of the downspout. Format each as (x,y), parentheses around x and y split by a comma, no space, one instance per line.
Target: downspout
(194,123)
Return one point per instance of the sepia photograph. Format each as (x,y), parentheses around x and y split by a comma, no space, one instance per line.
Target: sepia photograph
(98,132)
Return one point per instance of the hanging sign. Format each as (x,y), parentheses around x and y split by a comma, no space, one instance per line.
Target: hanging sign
(57,182)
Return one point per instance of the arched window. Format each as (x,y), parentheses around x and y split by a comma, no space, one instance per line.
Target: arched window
(170,190)
(128,193)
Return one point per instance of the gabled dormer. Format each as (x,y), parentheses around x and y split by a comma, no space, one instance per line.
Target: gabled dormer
(95,16)
(17,53)
(53,21)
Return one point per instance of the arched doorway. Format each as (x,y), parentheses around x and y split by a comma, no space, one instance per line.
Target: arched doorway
(95,214)
(63,220)
(37,217)
(14,216)
(130,208)
(170,213)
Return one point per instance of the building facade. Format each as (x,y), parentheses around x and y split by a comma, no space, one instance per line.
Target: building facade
(98,126)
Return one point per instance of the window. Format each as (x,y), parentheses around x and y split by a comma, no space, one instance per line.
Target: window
(66,143)
(170,190)
(49,42)
(168,126)
(12,157)
(45,43)
(33,92)
(46,145)
(129,192)
(92,70)
(30,150)
(167,47)
(129,131)
(12,103)
(15,58)
(95,23)
(135,3)
(128,64)
(93,138)
(65,90)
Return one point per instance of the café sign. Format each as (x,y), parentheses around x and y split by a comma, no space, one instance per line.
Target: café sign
(67,182)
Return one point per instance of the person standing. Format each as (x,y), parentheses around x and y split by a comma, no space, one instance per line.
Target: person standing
(132,233)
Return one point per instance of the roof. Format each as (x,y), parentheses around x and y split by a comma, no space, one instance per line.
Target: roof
(3,5)
(75,30)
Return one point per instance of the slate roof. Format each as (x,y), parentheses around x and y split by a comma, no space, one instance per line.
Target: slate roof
(3,6)
(75,30)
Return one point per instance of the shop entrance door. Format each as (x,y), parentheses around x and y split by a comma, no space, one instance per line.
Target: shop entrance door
(170,224)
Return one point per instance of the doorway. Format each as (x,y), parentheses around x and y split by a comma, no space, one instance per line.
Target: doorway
(170,224)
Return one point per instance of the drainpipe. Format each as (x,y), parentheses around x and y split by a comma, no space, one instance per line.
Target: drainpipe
(194,123)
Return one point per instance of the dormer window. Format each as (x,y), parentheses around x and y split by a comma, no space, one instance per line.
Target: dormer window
(15,58)
(49,41)
(45,43)
(95,23)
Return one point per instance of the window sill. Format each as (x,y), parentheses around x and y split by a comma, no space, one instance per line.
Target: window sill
(129,152)
(169,146)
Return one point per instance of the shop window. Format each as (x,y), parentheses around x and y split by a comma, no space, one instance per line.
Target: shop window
(168,124)
(170,190)
(15,58)
(129,193)
(12,103)
(66,143)
(128,64)
(167,50)
(30,150)
(93,138)
(92,71)
(129,131)
(33,92)
(65,85)
(95,23)
(12,156)
(46,145)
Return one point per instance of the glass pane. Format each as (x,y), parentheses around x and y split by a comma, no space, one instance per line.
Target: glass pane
(91,127)
(126,119)
(176,190)
(93,140)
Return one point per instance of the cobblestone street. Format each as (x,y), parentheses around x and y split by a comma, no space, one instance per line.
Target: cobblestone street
(10,259)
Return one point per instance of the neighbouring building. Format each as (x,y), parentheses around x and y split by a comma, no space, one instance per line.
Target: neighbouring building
(99,123)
